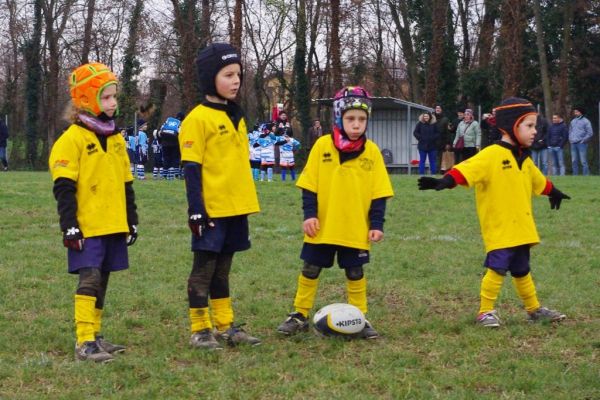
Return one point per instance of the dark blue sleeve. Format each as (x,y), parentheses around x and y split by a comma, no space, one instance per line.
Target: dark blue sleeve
(193,186)
(377,214)
(309,204)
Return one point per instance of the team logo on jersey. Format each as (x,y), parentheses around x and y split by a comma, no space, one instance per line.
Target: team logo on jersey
(327,157)
(119,147)
(222,130)
(506,164)
(366,164)
(188,144)
(61,163)
(91,148)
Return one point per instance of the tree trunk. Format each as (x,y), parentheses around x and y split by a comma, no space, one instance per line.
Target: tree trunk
(53,35)
(379,70)
(236,40)
(185,22)
(204,23)
(486,33)
(87,33)
(563,74)
(463,13)
(33,84)
(539,33)
(312,52)
(131,66)
(302,85)
(407,48)
(511,34)
(440,12)
(335,51)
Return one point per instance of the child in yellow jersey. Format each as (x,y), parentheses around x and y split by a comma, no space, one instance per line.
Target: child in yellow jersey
(220,194)
(96,201)
(344,190)
(505,178)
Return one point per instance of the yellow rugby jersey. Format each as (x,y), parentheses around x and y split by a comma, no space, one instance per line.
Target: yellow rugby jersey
(344,192)
(207,136)
(100,177)
(503,195)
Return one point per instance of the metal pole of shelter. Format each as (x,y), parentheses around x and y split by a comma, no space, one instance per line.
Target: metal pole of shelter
(409,147)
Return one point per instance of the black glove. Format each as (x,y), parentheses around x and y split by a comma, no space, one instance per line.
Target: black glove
(427,183)
(132,235)
(198,223)
(73,239)
(556,197)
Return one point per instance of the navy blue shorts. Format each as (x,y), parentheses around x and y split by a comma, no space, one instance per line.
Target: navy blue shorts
(513,259)
(322,255)
(109,253)
(230,234)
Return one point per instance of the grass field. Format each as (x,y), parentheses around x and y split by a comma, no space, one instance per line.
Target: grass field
(423,293)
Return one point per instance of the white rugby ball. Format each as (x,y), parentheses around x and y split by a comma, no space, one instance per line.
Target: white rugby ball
(339,319)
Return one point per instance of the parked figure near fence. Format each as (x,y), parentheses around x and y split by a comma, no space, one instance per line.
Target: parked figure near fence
(470,131)
(489,131)
(3,144)
(580,133)
(315,132)
(169,139)
(539,147)
(427,135)
(141,152)
(558,136)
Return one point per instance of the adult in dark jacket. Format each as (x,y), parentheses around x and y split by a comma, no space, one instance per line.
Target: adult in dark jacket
(427,135)
(3,143)
(558,136)
(539,147)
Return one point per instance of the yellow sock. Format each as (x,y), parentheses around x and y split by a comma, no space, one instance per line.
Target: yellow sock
(490,288)
(97,321)
(526,291)
(200,319)
(357,293)
(222,313)
(85,317)
(305,294)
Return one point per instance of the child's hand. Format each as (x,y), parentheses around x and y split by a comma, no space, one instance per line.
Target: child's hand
(311,226)
(375,236)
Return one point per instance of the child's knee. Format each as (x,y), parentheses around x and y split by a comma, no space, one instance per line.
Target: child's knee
(311,271)
(90,282)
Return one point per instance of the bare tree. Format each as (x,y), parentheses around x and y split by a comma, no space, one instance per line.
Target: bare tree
(563,74)
(398,11)
(185,14)
(511,35)
(539,34)
(463,13)
(87,34)
(434,65)
(486,32)
(236,39)
(335,50)
(56,14)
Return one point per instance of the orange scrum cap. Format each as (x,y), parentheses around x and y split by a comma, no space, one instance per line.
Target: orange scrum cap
(87,83)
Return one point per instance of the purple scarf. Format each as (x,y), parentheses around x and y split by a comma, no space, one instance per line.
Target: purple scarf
(102,128)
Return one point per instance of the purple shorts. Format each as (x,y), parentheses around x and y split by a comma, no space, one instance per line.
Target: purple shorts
(230,234)
(513,259)
(322,255)
(109,253)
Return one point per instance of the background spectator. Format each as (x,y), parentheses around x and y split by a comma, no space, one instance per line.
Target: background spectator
(558,135)
(3,144)
(580,133)
(539,147)
(428,137)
